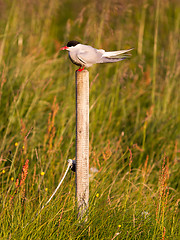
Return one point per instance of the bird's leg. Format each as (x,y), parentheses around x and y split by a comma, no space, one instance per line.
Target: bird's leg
(80,69)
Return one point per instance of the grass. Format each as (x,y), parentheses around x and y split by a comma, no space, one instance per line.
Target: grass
(134,120)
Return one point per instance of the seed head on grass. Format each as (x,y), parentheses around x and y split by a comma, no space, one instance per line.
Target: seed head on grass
(24,172)
(21,184)
(17,183)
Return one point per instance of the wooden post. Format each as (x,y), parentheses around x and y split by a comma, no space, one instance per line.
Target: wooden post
(82,142)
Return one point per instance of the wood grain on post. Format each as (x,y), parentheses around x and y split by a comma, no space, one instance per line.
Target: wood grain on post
(82,142)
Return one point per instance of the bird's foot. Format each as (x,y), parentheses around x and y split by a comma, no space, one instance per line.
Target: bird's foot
(80,69)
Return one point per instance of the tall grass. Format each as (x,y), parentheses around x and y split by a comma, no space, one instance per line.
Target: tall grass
(134,120)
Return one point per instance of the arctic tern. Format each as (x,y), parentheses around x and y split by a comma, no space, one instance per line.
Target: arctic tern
(85,55)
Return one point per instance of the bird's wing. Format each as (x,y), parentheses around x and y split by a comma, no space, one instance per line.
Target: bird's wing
(81,59)
(102,51)
(90,55)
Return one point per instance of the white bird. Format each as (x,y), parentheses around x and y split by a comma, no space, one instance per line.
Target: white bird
(85,55)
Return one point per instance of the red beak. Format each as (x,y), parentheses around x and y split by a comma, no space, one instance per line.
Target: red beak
(64,48)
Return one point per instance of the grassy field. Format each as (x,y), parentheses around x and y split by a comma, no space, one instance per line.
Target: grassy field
(134,119)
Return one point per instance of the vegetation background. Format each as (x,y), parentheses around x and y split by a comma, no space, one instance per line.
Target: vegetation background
(134,119)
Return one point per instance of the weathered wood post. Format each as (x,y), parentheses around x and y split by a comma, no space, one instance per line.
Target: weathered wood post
(82,142)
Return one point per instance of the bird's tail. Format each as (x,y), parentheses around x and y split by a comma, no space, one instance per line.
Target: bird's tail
(111,60)
(115,54)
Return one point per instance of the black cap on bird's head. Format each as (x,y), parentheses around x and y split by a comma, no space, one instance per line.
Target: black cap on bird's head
(72,43)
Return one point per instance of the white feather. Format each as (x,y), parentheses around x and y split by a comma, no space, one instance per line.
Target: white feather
(115,53)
